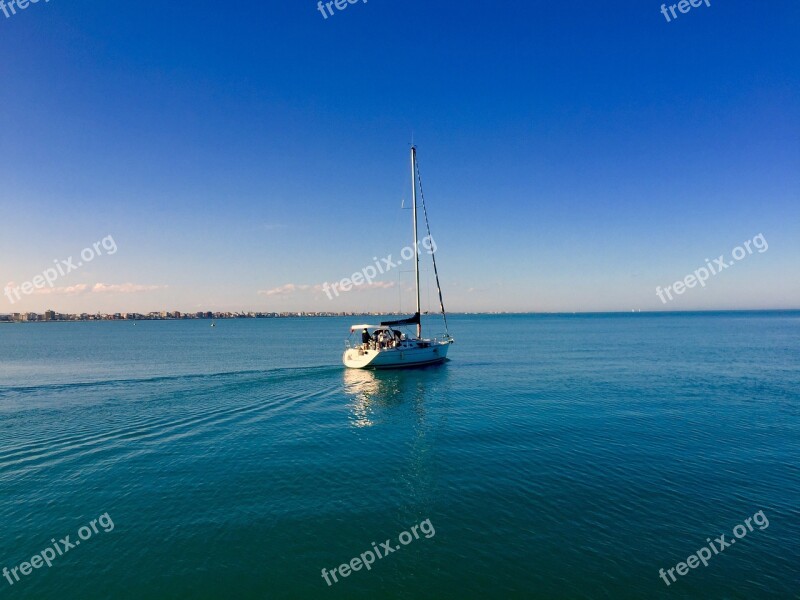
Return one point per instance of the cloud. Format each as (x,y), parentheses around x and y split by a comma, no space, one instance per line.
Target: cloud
(97,288)
(284,290)
(124,288)
(376,285)
(70,290)
(291,288)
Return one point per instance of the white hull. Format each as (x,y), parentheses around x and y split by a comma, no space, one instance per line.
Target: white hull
(428,353)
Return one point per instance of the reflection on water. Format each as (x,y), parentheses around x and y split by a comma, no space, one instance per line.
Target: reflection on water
(374,394)
(371,391)
(403,401)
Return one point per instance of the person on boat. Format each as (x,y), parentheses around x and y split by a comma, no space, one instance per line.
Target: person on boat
(383,339)
(365,337)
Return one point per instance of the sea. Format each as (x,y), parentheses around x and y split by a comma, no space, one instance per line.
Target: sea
(552,456)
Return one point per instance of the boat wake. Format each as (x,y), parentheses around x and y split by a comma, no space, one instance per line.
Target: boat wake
(119,419)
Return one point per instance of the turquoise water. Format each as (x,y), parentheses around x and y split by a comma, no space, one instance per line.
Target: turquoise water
(555,457)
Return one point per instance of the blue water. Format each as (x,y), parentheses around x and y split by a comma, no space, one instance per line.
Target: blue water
(555,457)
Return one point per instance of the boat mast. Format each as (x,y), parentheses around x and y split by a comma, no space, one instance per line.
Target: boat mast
(416,253)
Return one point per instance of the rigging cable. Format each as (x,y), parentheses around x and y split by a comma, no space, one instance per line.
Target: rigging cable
(433,254)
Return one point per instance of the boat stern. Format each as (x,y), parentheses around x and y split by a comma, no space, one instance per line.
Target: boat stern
(358,358)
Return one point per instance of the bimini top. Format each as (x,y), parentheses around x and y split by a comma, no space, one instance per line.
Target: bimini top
(355,327)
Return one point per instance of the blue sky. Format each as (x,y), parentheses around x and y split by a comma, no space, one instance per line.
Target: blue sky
(574,155)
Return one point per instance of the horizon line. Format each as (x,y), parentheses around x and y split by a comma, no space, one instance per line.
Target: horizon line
(189,315)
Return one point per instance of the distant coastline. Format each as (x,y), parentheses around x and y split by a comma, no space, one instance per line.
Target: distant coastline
(54,317)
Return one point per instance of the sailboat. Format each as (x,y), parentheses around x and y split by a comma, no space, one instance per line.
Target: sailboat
(384,347)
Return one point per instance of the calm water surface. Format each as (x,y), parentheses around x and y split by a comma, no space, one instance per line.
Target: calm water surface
(555,456)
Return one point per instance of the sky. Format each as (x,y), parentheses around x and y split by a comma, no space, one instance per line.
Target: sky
(575,156)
